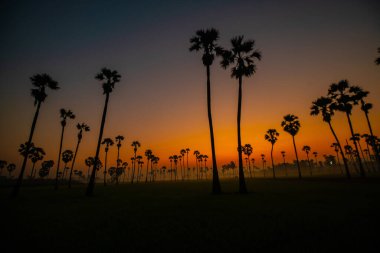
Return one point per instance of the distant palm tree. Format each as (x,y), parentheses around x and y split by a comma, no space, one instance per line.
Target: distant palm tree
(187,161)
(35,155)
(263,160)
(197,153)
(247,150)
(67,156)
(183,152)
(11,167)
(149,155)
(271,136)
(109,79)
(292,125)
(64,114)
(171,167)
(377,61)
(206,42)
(81,127)
(242,56)
(108,142)
(2,166)
(356,137)
(175,159)
(283,159)
(315,156)
(45,168)
(344,101)
(41,82)
(325,107)
(359,95)
(307,150)
(337,148)
(139,167)
(135,145)
(118,139)
(90,161)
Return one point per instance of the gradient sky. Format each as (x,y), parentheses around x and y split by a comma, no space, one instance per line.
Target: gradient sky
(161,100)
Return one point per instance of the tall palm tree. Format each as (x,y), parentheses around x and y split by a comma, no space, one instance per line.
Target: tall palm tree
(35,155)
(40,82)
(187,162)
(118,140)
(67,156)
(271,136)
(205,41)
(135,145)
(343,101)
(2,166)
(283,153)
(242,56)
(81,127)
(359,95)
(108,142)
(307,150)
(324,106)
(10,168)
(247,150)
(64,114)
(90,161)
(108,78)
(149,155)
(292,125)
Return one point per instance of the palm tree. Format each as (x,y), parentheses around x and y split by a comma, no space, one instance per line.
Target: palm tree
(90,161)
(40,82)
(247,150)
(108,78)
(118,139)
(183,152)
(2,166)
(64,114)
(196,153)
(316,160)
(187,161)
(139,167)
(324,106)
(135,145)
(242,57)
(149,155)
(11,167)
(171,167)
(108,142)
(292,125)
(377,61)
(175,159)
(67,156)
(307,150)
(359,95)
(45,168)
(283,159)
(337,148)
(271,136)
(263,160)
(81,127)
(206,42)
(356,137)
(35,155)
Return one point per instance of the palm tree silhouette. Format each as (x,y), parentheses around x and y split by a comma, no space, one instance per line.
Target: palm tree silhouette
(324,106)
(149,155)
(81,127)
(64,116)
(183,152)
(139,167)
(175,160)
(90,161)
(108,142)
(356,137)
(247,150)
(187,161)
(242,57)
(109,79)
(135,145)
(35,155)
(263,160)
(307,150)
(67,156)
(343,101)
(338,148)
(271,136)
(359,95)
(283,159)
(196,153)
(377,61)
(2,166)
(40,82)
(171,167)
(291,125)
(118,139)
(316,155)
(11,167)
(206,42)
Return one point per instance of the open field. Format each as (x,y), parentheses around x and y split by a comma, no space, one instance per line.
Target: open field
(310,215)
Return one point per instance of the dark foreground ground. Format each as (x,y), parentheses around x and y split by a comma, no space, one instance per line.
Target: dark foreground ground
(316,215)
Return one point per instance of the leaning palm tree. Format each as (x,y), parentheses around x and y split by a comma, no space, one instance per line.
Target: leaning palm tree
(40,82)
(307,150)
(205,41)
(108,142)
(2,166)
(324,106)
(271,136)
(67,156)
(64,114)
(247,150)
(135,145)
(292,125)
(35,155)
(343,101)
(81,127)
(149,155)
(242,56)
(108,78)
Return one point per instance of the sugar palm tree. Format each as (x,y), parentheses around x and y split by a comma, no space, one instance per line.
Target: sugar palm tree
(247,150)
(108,78)
(271,136)
(64,114)
(107,142)
(292,125)
(343,101)
(196,153)
(81,127)
(175,160)
(242,57)
(90,161)
(283,153)
(67,156)
(359,95)
(2,166)
(40,82)
(183,152)
(205,41)
(149,156)
(118,140)
(324,106)
(35,155)
(10,168)
(307,150)
(135,145)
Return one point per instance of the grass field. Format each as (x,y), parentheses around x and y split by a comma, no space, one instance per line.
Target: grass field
(310,215)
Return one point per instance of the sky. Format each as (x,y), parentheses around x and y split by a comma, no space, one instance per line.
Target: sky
(161,99)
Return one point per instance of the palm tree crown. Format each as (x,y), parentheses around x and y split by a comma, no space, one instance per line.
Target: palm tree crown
(291,124)
(322,106)
(110,78)
(66,114)
(41,81)
(271,136)
(206,41)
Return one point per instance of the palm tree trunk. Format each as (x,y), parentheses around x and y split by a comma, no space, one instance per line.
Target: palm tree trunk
(374,146)
(73,162)
(298,163)
(308,161)
(59,158)
(341,151)
(133,169)
(187,163)
(91,184)
(249,168)
(105,170)
(147,169)
(32,172)
(271,157)
(242,186)
(17,186)
(361,169)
